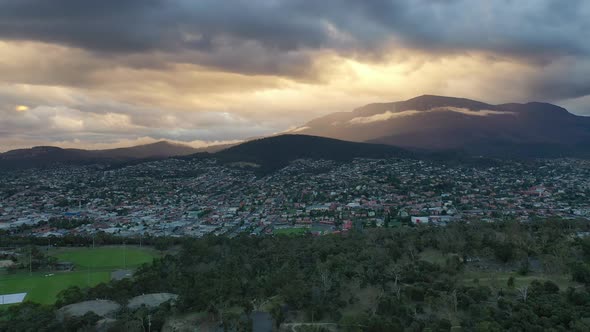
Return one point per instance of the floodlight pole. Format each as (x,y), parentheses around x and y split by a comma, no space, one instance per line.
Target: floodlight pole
(125,253)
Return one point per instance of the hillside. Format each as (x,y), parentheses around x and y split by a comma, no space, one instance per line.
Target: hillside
(43,156)
(275,152)
(160,149)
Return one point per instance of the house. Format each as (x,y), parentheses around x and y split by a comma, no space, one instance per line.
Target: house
(420,220)
(347,225)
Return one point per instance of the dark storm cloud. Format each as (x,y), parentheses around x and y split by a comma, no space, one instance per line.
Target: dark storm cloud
(138,25)
(563,79)
(281,37)
(97,25)
(534,28)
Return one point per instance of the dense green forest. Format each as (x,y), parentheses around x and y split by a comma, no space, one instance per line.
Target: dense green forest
(463,277)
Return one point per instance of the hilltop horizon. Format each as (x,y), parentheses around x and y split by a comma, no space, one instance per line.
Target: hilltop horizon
(81,75)
(293,129)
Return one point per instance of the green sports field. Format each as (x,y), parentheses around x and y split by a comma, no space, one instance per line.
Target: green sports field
(291,231)
(93,266)
(44,289)
(106,257)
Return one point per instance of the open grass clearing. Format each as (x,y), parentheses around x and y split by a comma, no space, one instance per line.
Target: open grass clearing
(44,287)
(291,231)
(106,257)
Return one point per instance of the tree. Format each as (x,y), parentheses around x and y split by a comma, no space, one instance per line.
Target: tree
(394,272)
(70,295)
(580,272)
(523,293)
(29,316)
(510,282)
(325,280)
(504,251)
(84,323)
(453,300)
(352,323)
(277,313)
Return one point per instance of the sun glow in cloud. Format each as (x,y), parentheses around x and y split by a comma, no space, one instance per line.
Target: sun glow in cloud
(21,108)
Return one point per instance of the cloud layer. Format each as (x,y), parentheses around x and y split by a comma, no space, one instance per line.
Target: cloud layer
(388,115)
(96,72)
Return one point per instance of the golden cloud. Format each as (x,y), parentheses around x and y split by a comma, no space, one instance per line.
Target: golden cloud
(168,98)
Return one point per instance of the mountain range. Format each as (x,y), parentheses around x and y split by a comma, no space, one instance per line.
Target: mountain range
(437,123)
(47,155)
(422,126)
(264,155)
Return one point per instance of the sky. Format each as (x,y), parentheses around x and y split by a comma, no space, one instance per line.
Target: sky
(110,73)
